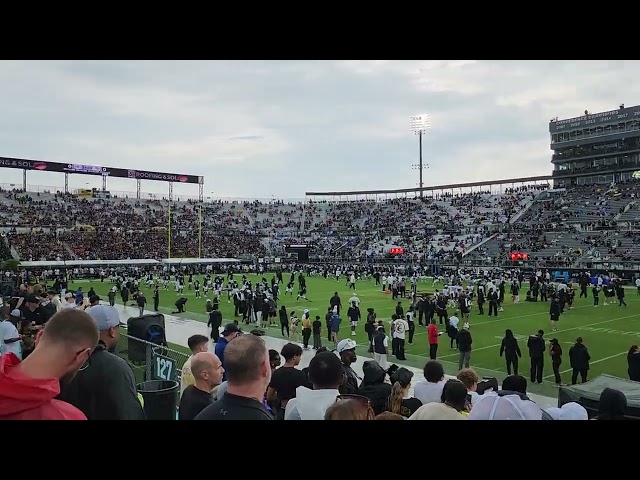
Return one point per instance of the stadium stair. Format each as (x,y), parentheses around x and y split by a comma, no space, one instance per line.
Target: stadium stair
(479,244)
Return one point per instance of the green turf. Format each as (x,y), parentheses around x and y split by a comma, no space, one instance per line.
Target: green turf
(608,331)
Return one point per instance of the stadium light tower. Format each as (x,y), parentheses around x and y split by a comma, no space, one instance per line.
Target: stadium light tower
(419,124)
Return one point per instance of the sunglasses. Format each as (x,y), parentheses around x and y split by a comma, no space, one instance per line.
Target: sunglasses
(87,363)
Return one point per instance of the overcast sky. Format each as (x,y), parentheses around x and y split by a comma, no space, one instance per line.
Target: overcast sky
(259,129)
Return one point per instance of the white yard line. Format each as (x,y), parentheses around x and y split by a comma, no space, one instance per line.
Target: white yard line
(504,319)
(590,363)
(559,331)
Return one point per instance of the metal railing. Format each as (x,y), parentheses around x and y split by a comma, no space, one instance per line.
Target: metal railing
(150,361)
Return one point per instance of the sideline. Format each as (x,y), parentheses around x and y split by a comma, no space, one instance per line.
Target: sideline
(178,330)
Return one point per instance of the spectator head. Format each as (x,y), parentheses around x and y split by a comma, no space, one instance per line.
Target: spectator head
(350,407)
(63,346)
(507,407)
(568,411)
(326,372)
(230,331)
(612,405)
(389,416)
(246,362)
(108,321)
(454,394)
(347,350)
(274,359)
(469,377)
(515,383)
(15,316)
(401,381)
(207,370)
(292,353)
(433,371)
(197,344)
(32,301)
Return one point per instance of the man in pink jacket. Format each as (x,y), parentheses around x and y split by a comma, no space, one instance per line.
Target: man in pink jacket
(28,388)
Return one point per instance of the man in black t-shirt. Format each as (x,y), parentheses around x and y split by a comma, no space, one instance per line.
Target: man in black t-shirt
(287,379)
(207,370)
(32,311)
(248,372)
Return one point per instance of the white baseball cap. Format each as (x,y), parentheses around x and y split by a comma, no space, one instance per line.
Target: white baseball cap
(346,344)
(568,411)
(506,407)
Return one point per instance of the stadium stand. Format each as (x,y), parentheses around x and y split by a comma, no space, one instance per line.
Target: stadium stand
(564,228)
(477,226)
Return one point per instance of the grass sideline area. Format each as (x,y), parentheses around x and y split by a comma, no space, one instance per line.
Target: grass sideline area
(608,331)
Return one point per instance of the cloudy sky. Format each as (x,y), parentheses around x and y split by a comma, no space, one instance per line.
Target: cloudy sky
(263,129)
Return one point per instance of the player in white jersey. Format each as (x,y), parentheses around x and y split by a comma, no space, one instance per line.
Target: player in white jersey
(354,299)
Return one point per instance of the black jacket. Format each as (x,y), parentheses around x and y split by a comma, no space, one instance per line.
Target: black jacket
(536,346)
(464,341)
(633,360)
(105,390)
(352,382)
(510,348)
(579,357)
(373,386)
(215,319)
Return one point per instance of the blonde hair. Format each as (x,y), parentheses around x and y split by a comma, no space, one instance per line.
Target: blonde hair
(348,410)
(395,398)
(389,416)
(468,377)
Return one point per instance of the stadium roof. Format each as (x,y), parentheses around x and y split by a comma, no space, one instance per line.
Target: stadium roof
(201,261)
(86,263)
(433,188)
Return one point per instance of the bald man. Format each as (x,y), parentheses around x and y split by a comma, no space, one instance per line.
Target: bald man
(207,371)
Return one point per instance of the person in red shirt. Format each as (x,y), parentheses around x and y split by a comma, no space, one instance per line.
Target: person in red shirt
(433,334)
(28,388)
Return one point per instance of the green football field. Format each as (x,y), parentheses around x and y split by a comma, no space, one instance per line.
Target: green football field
(608,331)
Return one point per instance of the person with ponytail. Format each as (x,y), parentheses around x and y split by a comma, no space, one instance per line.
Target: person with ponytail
(399,400)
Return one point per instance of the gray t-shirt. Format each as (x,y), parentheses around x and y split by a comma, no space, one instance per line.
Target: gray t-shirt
(222,389)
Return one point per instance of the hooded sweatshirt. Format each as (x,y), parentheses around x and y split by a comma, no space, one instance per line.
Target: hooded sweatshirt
(310,404)
(26,398)
(374,387)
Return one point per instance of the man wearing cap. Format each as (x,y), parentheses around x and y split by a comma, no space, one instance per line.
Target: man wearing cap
(10,339)
(506,407)
(32,311)
(106,389)
(69,301)
(568,411)
(347,350)
(230,332)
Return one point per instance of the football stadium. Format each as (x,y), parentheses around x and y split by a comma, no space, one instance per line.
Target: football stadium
(514,298)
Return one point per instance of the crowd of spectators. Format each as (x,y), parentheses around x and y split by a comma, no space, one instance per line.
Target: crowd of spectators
(444,227)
